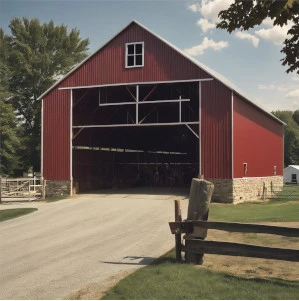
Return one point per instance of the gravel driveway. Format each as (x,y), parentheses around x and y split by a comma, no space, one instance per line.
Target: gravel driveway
(69,244)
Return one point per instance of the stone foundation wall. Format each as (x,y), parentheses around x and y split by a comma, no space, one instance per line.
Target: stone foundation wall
(223,191)
(246,189)
(251,189)
(57,188)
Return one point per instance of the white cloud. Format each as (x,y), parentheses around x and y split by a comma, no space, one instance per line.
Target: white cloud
(295,77)
(194,7)
(247,36)
(206,44)
(266,87)
(293,94)
(275,34)
(210,9)
(205,25)
(268,22)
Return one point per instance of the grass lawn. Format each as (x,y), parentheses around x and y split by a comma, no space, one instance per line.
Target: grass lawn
(272,211)
(285,208)
(166,279)
(12,213)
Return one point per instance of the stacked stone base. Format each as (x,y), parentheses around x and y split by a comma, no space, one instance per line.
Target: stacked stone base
(246,189)
(226,190)
(58,188)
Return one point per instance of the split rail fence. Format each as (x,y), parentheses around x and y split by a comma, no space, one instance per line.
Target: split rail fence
(200,246)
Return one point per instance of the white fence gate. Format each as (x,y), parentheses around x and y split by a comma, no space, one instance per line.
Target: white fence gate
(21,188)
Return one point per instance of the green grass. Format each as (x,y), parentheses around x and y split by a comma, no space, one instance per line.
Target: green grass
(284,208)
(272,211)
(165,279)
(13,213)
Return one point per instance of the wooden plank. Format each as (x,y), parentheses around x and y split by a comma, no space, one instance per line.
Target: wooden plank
(248,228)
(189,226)
(181,227)
(198,246)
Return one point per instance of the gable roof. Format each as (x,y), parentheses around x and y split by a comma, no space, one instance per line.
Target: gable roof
(293,166)
(208,70)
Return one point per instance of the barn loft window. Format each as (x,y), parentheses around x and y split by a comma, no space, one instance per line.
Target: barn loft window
(134,55)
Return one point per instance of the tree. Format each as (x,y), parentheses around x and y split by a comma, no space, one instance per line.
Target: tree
(9,139)
(296,116)
(246,14)
(38,55)
(291,137)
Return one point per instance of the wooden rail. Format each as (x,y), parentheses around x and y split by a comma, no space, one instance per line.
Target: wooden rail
(200,246)
(189,226)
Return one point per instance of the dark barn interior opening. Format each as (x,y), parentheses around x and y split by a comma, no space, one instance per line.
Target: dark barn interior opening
(137,135)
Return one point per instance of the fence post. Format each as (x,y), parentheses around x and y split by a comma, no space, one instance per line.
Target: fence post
(201,192)
(43,183)
(178,240)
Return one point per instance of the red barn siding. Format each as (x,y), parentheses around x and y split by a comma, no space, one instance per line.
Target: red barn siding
(107,66)
(258,141)
(56,135)
(216,131)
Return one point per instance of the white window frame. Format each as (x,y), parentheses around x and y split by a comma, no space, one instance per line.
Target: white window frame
(127,55)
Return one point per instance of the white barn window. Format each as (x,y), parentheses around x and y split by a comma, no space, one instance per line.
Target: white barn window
(134,54)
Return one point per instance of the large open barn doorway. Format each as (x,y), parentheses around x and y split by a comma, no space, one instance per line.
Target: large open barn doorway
(137,135)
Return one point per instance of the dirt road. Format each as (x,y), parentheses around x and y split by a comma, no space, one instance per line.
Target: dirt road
(70,244)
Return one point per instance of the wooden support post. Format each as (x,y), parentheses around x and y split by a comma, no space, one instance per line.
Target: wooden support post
(178,240)
(43,182)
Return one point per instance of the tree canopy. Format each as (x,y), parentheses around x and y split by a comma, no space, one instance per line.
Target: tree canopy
(9,130)
(36,55)
(246,14)
(291,136)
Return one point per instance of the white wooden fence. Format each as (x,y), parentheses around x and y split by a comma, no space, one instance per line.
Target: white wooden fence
(25,188)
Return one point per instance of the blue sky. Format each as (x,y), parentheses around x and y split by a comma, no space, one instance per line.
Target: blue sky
(250,60)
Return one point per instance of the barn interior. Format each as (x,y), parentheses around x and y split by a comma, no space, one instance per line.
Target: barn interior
(135,135)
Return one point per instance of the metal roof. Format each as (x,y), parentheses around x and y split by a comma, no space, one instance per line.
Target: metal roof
(208,70)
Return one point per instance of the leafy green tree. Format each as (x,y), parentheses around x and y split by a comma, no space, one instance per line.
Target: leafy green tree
(296,116)
(246,14)
(38,55)
(9,130)
(291,137)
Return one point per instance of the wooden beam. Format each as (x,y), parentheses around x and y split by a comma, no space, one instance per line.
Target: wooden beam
(198,246)
(188,227)
(148,94)
(133,96)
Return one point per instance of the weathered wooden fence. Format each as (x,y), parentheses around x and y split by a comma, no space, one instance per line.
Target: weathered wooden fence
(196,228)
(25,188)
(200,246)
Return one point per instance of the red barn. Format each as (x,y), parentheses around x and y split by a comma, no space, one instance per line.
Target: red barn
(139,111)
